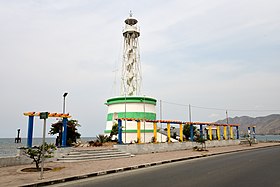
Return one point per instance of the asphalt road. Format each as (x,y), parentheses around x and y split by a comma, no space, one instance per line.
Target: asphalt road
(257,168)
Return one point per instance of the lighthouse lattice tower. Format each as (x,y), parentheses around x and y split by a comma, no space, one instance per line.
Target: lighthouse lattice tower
(131,104)
(131,67)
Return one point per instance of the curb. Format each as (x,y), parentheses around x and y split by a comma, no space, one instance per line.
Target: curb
(145,165)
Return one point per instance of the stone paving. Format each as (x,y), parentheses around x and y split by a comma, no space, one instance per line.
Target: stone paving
(13,176)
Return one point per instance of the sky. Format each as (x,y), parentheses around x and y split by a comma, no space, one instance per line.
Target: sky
(212,55)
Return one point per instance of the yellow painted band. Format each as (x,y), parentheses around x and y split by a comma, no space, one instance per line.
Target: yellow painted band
(231,132)
(155,132)
(181,132)
(138,132)
(210,132)
(225,132)
(218,133)
(168,132)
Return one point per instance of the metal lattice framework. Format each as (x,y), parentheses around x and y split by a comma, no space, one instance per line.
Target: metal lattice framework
(131,67)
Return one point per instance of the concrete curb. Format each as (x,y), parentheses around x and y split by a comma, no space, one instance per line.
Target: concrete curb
(145,165)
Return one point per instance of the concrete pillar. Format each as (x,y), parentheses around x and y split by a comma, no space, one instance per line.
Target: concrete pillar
(191,128)
(225,132)
(249,132)
(237,132)
(201,131)
(254,131)
(231,132)
(168,132)
(64,133)
(181,132)
(218,133)
(155,132)
(210,132)
(120,131)
(30,131)
(139,132)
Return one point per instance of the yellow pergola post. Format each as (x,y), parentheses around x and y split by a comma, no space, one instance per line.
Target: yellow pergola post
(218,133)
(231,132)
(225,132)
(210,132)
(168,132)
(138,132)
(181,132)
(155,132)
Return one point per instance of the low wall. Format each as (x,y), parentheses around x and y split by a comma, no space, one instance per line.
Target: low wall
(165,147)
(21,159)
(14,160)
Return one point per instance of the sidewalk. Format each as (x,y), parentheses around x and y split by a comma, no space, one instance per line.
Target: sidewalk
(12,176)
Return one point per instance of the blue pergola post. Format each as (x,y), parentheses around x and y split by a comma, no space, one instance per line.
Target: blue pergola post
(237,132)
(119,131)
(64,133)
(30,131)
(201,131)
(254,132)
(191,127)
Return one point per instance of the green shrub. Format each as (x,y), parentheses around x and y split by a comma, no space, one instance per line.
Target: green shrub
(103,138)
(36,153)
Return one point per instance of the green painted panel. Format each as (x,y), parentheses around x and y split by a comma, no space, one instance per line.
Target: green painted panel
(138,115)
(131,99)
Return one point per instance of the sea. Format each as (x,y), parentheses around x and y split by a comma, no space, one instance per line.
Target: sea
(8,147)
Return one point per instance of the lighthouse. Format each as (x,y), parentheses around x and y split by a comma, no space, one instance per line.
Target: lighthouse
(131,67)
(131,103)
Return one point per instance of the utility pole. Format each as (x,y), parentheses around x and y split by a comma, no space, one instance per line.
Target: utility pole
(144,120)
(43,115)
(190,114)
(227,124)
(227,116)
(191,126)
(160,113)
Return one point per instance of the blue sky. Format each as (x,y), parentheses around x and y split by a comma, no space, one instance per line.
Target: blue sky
(214,54)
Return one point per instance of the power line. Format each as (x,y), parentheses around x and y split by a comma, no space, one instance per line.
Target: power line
(236,110)
(207,108)
(221,109)
(174,103)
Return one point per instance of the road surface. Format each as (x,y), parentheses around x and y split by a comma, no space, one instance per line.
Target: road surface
(257,168)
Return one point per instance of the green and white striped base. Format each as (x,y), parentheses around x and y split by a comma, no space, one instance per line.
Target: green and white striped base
(140,107)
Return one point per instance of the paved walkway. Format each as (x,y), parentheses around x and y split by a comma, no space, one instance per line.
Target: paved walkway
(12,176)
